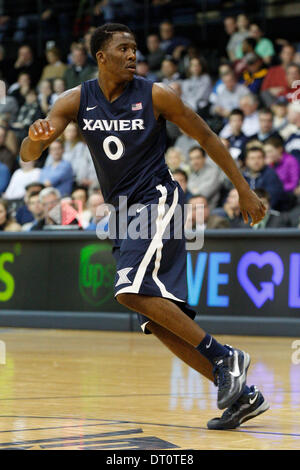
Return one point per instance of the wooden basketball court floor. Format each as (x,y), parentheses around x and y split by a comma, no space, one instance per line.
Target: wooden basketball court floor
(107,390)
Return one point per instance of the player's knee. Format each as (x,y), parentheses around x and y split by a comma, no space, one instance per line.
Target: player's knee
(128,300)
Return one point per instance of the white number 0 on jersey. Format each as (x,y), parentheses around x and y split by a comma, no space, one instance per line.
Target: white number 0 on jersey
(119,144)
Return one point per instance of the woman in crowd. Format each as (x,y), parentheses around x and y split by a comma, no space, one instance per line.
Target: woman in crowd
(7,223)
(197,88)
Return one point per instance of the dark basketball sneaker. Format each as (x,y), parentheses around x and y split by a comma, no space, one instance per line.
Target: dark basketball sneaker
(245,408)
(230,376)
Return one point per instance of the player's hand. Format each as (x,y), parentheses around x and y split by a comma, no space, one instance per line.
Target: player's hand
(41,129)
(251,205)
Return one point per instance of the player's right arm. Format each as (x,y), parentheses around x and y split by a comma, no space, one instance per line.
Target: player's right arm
(44,131)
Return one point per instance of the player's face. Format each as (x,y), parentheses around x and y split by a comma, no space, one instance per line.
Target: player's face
(119,56)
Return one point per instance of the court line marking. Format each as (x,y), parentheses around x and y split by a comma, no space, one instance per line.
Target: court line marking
(182,426)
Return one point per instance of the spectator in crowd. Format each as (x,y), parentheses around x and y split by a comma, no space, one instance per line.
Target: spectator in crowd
(6,155)
(11,141)
(230,96)
(224,68)
(169,42)
(292,91)
(45,96)
(182,178)
(49,199)
(20,89)
(237,139)
(81,194)
(87,44)
(59,87)
(199,217)
(285,165)
(197,88)
(9,109)
(25,62)
(275,81)
(292,144)
(234,38)
(184,143)
(281,123)
(77,154)
(55,67)
(248,105)
(4,177)
(26,174)
(273,218)
(204,177)
(58,173)
(175,159)
(29,112)
(23,214)
(7,223)
(260,175)
(254,73)
(36,209)
(231,210)
(266,130)
(241,31)
(142,69)
(79,71)
(169,71)
(264,47)
(99,214)
(155,54)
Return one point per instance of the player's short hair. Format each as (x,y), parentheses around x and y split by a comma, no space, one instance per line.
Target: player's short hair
(103,34)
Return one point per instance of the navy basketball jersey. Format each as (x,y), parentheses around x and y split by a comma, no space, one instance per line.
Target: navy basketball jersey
(125,140)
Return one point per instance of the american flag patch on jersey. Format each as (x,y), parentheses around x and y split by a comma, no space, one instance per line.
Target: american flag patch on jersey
(136,106)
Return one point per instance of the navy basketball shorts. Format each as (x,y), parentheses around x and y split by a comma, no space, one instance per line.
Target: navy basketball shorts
(151,257)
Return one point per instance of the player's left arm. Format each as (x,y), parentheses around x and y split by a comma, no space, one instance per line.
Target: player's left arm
(172,108)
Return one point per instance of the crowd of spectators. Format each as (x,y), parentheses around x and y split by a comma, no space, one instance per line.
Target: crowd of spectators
(252,104)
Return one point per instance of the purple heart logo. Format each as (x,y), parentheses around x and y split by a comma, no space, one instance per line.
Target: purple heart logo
(259,297)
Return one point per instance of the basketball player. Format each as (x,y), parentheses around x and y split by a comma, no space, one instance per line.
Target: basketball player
(122,118)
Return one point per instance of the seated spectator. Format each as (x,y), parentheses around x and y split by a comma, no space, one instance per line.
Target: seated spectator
(77,154)
(80,194)
(285,165)
(182,178)
(293,82)
(254,72)
(26,174)
(219,86)
(261,176)
(169,42)
(142,69)
(155,54)
(26,63)
(4,177)
(265,117)
(79,71)
(248,105)
(7,223)
(20,89)
(58,88)
(197,88)
(230,96)
(272,219)
(99,214)
(23,214)
(275,81)
(59,173)
(231,210)
(281,123)
(55,68)
(292,144)
(6,155)
(49,199)
(9,109)
(169,71)
(175,159)
(248,47)
(204,177)
(235,36)
(184,143)
(36,209)
(29,112)
(199,217)
(11,141)
(237,139)
(264,47)
(45,96)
